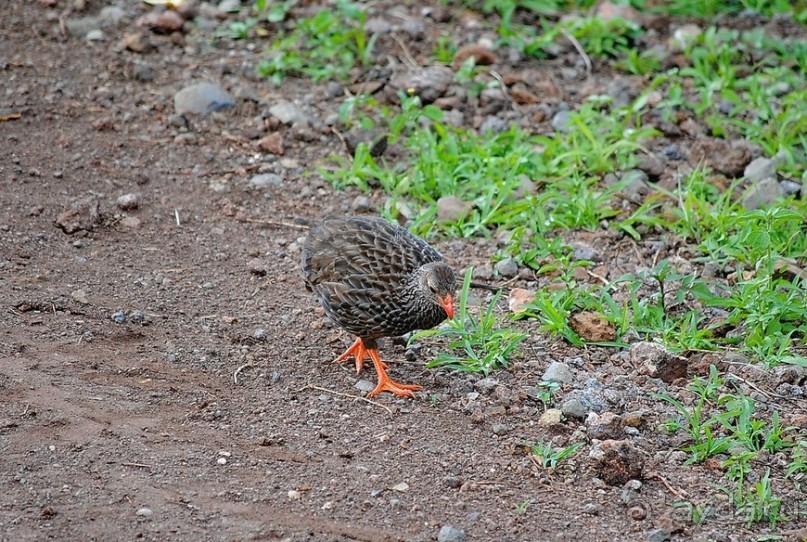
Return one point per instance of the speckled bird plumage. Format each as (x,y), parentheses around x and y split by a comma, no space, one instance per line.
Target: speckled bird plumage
(370,276)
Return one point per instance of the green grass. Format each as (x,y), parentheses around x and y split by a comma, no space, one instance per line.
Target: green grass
(477,342)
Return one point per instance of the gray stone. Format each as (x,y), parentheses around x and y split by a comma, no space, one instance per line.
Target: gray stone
(500,429)
(659,535)
(759,169)
(763,193)
(365,385)
(111,15)
(202,99)
(128,202)
(492,124)
(361,204)
(654,360)
(792,188)
(507,268)
(288,113)
(119,317)
(80,296)
(486,384)
(427,83)
(95,35)
(651,164)
(449,533)
(82,26)
(260,334)
(560,122)
(145,512)
(266,179)
(583,251)
(573,408)
(377,25)
(452,208)
(558,372)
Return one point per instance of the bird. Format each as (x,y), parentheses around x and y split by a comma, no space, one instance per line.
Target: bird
(375,279)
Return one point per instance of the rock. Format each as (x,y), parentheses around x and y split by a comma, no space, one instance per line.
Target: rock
(493,124)
(452,208)
(257,266)
(507,268)
(592,327)
(584,251)
(428,83)
(272,143)
(604,426)
(144,512)
(95,35)
(792,188)
(551,417)
(561,120)
(377,25)
(558,372)
(80,296)
(617,461)
(762,194)
(727,158)
(486,385)
(202,99)
(659,535)
(520,299)
(165,22)
(449,533)
(573,408)
(365,385)
(229,6)
(361,204)
(138,317)
(144,73)
(481,54)
(685,35)
(500,429)
(129,223)
(128,202)
(266,179)
(654,360)
(119,317)
(652,165)
(83,215)
(760,169)
(288,113)
(672,152)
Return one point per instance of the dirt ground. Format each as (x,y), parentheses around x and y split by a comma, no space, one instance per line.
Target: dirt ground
(165,376)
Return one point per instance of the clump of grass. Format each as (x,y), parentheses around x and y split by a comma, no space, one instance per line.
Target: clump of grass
(551,457)
(326,45)
(480,345)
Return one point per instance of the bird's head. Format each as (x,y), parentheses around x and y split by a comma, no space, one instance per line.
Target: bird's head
(438,284)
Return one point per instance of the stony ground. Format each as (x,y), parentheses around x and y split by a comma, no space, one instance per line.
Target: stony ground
(164,375)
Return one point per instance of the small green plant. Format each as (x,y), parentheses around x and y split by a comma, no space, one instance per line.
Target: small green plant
(761,504)
(484,346)
(545,392)
(698,513)
(551,457)
(325,46)
(521,508)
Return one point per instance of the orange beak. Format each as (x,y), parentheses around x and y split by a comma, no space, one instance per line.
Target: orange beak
(448,305)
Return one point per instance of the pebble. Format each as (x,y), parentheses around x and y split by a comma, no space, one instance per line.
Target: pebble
(558,372)
(95,35)
(144,74)
(763,193)
(260,334)
(293,494)
(659,535)
(266,179)
(145,512)
(128,202)
(452,208)
(685,35)
(449,533)
(288,113)
(672,152)
(365,385)
(80,296)
(574,408)
(486,385)
(507,268)
(652,359)
(272,143)
(560,122)
(202,99)
(520,299)
(119,317)
(584,251)
(138,317)
(792,188)
(551,417)
(257,266)
(428,83)
(500,429)
(361,204)
(760,169)
(617,461)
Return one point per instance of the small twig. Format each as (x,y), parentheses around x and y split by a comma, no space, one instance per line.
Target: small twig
(142,465)
(580,50)
(176,216)
(598,277)
(506,92)
(407,55)
(342,139)
(677,492)
(318,388)
(244,366)
(277,223)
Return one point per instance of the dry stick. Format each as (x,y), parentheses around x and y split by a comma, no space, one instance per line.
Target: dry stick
(143,465)
(407,55)
(598,277)
(244,366)
(310,387)
(506,93)
(677,492)
(580,50)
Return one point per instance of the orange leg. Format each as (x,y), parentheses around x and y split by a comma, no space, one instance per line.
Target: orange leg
(359,351)
(385,383)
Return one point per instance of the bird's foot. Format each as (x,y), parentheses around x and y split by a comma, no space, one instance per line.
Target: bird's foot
(385,383)
(359,352)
